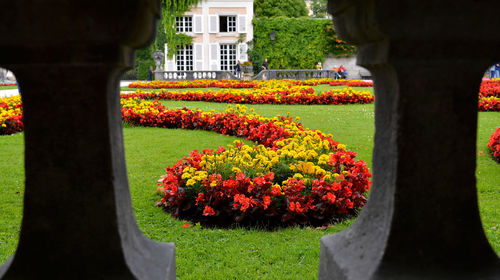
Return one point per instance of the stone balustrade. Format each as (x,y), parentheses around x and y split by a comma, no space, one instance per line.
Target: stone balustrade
(300,74)
(194,75)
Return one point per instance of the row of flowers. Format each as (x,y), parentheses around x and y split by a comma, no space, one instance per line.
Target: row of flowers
(490,88)
(11,115)
(490,103)
(293,176)
(292,95)
(245,84)
(7,85)
(494,145)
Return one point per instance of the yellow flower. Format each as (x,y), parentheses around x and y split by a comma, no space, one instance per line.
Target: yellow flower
(236,170)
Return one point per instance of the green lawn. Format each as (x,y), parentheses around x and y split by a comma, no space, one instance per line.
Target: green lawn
(7,87)
(236,253)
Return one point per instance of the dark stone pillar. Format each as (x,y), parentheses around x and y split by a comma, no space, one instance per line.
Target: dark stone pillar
(422,219)
(78,222)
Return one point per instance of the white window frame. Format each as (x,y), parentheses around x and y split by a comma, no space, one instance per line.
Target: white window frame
(184,60)
(228,57)
(184,24)
(231,24)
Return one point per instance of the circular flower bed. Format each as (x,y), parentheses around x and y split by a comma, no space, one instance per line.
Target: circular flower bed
(293,176)
(494,145)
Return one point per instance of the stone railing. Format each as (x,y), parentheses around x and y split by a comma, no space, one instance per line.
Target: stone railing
(194,75)
(294,74)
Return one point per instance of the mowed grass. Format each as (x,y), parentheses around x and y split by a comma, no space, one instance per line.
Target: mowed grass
(7,87)
(235,253)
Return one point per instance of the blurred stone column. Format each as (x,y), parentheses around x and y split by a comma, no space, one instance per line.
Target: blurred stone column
(422,219)
(78,222)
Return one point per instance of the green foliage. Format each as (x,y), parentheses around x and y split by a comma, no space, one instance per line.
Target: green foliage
(166,33)
(299,44)
(143,60)
(170,10)
(276,8)
(318,8)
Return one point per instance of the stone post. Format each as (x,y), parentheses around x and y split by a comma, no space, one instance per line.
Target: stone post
(78,222)
(422,219)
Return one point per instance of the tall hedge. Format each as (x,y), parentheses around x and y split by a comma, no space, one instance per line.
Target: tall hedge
(299,42)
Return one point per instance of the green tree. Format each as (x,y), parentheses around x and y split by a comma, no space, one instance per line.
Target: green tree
(275,8)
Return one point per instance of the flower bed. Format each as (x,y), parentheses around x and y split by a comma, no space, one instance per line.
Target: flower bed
(490,88)
(244,84)
(494,145)
(7,85)
(293,176)
(254,92)
(11,115)
(194,84)
(490,103)
(292,95)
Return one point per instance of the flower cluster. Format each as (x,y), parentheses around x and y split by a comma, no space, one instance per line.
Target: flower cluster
(351,83)
(263,92)
(245,84)
(494,145)
(293,176)
(489,95)
(490,88)
(194,84)
(490,103)
(11,115)
(138,112)
(6,85)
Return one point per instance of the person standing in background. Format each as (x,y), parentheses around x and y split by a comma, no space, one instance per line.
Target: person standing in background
(497,70)
(265,65)
(150,72)
(237,68)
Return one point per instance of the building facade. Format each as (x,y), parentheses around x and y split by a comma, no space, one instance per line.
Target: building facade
(220,31)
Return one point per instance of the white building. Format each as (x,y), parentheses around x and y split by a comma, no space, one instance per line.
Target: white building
(215,26)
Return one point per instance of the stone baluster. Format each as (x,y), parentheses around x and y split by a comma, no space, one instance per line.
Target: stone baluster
(78,222)
(422,219)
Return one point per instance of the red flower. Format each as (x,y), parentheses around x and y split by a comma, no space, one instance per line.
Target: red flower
(209,211)
(267,201)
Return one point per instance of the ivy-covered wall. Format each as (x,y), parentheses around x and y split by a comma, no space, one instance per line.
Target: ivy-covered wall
(299,43)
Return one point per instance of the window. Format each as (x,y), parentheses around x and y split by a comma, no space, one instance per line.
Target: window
(227,57)
(227,24)
(184,24)
(184,58)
